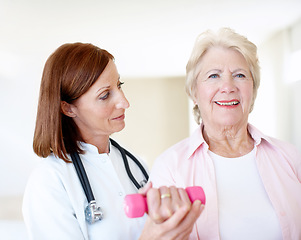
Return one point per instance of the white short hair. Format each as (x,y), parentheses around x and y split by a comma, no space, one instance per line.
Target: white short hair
(226,38)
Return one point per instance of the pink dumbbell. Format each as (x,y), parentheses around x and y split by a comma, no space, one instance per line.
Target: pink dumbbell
(135,205)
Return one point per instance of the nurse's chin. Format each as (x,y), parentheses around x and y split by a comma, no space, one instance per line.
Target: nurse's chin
(117,127)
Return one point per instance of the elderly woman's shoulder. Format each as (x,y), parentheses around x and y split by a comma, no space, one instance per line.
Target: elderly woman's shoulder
(272,142)
(178,148)
(284,148)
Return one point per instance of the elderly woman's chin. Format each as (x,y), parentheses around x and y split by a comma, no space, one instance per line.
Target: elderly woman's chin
(228,120)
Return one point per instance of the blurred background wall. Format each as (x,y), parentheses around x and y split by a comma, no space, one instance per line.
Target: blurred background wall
(151,41)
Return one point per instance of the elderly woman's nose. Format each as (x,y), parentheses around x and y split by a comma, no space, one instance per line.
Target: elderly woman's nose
(227,84)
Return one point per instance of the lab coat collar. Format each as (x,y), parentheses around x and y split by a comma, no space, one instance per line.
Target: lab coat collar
(89,148)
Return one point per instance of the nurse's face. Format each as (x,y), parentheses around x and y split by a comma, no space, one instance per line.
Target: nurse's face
(224,89)
(101,110)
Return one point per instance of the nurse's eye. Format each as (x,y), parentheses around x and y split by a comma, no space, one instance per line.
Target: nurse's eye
(104,96)
(120,84)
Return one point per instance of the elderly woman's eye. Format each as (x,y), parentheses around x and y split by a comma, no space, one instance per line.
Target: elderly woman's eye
(213,76)
(240,75)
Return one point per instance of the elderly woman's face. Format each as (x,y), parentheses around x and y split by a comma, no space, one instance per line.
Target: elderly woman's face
(224,88)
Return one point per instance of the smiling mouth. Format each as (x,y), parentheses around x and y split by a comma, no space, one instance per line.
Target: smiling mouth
(231,103)
(121,117)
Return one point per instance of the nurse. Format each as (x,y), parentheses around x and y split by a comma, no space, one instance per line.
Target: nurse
(81,104)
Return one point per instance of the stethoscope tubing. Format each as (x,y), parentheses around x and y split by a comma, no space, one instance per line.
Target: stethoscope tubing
(126,164)
(82,175)
(138,163)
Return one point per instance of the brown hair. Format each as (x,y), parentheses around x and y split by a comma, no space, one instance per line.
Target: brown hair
(68,73)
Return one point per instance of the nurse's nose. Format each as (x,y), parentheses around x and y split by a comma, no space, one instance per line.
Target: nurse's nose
(122,102)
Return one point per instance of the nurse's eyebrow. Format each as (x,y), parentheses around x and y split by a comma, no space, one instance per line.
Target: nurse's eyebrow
(106,87)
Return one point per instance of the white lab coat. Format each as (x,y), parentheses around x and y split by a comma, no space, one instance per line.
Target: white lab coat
(54,200)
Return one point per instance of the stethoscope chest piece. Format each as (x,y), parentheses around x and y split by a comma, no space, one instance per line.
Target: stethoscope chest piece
(93,213)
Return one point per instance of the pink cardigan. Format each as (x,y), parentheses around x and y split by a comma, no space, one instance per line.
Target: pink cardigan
(187,163)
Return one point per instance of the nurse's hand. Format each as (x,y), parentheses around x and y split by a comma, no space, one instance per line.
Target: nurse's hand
(170,213)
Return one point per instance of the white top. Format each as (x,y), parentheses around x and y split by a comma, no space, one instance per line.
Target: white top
(250,215)
(54,200)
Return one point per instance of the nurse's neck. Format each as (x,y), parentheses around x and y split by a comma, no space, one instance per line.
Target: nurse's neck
(102,144)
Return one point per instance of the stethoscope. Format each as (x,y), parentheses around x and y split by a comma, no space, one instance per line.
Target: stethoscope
(92,212)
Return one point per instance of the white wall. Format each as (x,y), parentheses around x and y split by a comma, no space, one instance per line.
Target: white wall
(157,117)
(295,86)
(277,110)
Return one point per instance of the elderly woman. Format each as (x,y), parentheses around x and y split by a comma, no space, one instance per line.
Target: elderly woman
(81,104)
(252,181)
